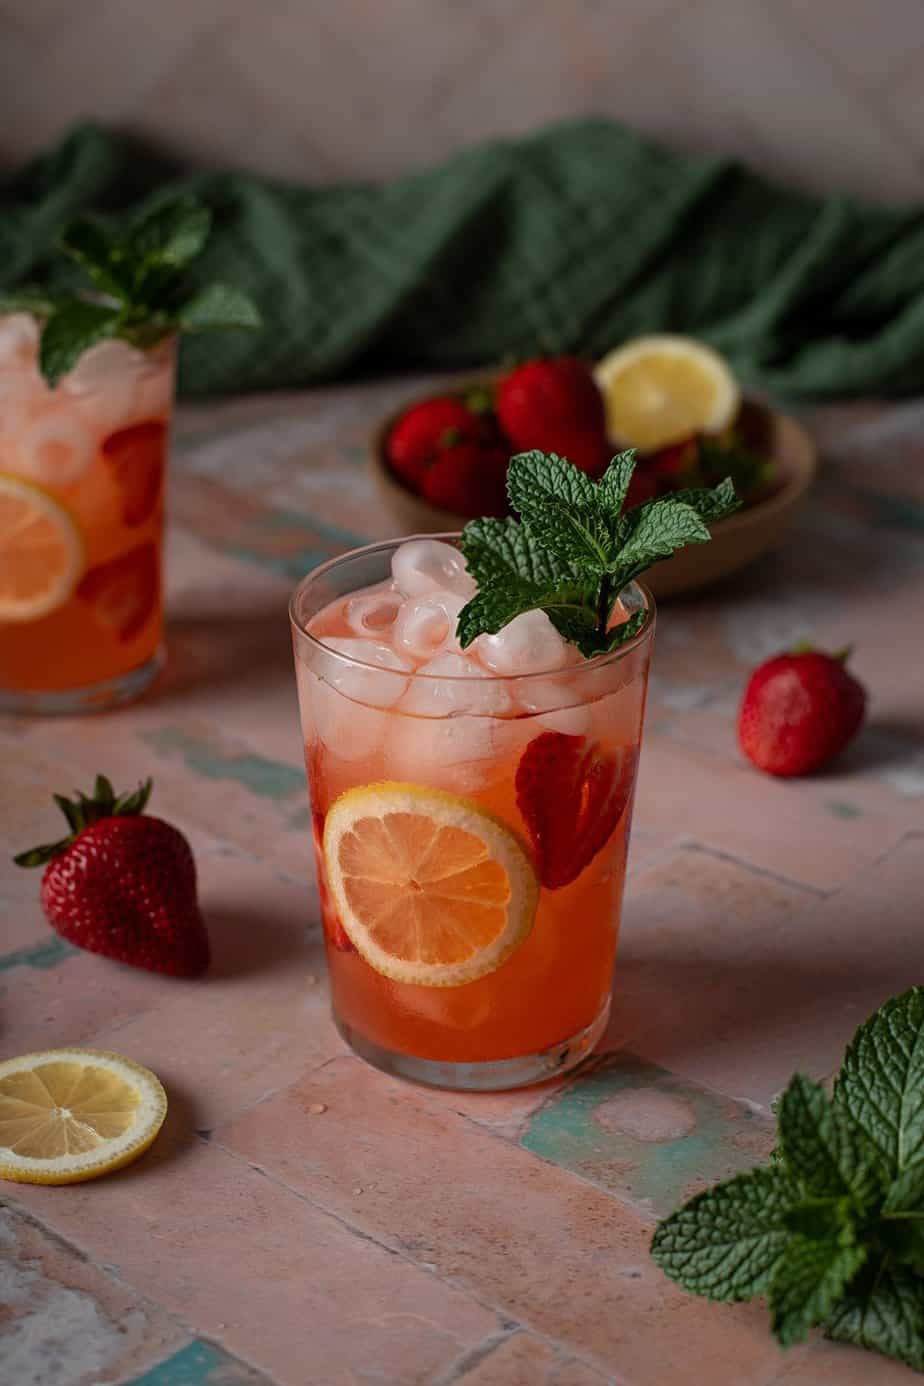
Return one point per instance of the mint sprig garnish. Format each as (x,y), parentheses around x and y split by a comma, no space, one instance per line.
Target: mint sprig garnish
(575,547)
(832,1231)
(135,286)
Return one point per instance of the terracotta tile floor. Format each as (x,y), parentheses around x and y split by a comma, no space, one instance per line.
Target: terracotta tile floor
(406,1236)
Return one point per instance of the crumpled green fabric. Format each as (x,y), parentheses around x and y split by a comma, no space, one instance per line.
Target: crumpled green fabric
(570,240)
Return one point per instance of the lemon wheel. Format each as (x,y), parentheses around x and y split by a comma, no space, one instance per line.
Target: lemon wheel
(430,888)
(661,389)
(72,1114)
(41,552)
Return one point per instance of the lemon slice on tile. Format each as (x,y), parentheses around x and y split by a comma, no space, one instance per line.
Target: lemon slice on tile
(41,553)
(72,1114)
(661,389)
(430,888)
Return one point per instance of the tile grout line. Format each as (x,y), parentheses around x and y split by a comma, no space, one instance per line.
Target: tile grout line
(706,849)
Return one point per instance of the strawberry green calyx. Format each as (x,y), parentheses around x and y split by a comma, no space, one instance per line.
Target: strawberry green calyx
(83,810)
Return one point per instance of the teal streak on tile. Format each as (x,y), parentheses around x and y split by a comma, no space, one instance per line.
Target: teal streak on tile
(322,540)
(268,779)
(48,953)
(300,820)
(892,512)
(840,810)
(297,519)
(288,565)
(201,1364)
(645,1134)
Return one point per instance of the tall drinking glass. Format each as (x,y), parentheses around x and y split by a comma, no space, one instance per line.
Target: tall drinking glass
(82,473)
(470,825)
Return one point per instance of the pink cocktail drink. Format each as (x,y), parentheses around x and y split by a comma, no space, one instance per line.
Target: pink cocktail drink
(471,813)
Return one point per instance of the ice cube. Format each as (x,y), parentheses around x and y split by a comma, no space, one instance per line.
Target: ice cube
(428,565)
(348,730)
(452,685)
(380,686)
(53,447)
(19,335)
(105,384)
(426,626)
(529,644)
(373,612)
(547,701)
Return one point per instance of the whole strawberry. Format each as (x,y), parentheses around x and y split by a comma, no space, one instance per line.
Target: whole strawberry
(469,480)
(799,710)
(123,884)
(424,430)
(554,404)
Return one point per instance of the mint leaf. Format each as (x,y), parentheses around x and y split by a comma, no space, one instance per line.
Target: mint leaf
(614,483)
(821,1147)
(906,1194)
(218,306)
(559,508)
(70,331)
(881,1083)
(807,1283)
(503,549)
(820,1219)
(28,298)
(727,1242)
(711,503)
(655,531)
(172,233)
(883,1311)
(96,250)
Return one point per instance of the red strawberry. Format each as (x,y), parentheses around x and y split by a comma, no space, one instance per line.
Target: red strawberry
(642,488)
(336,934)
(424,430)
(124,592)
(671,465)
(799,711)
(555,405)
(123,884)
(137,456)
(572,795)
(468,480)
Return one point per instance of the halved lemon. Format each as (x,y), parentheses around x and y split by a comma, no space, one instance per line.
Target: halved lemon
(73,1114)
(430,888)
(661,389)
(41,552)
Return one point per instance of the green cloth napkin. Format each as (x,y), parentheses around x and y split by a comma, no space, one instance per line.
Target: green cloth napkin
(570,240)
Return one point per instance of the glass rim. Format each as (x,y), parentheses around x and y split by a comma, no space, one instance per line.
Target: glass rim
(381,545)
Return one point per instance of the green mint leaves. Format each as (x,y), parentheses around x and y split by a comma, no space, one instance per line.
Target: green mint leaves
(832,1231)
(135,288)
(574,548)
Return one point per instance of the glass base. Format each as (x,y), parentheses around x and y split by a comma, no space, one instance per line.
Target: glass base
(488,1075)
(73,702)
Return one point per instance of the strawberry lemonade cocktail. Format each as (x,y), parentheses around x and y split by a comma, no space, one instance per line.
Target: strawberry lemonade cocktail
(471,815)
(82,469)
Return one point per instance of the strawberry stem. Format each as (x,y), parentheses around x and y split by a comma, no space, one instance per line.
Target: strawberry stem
(83,811)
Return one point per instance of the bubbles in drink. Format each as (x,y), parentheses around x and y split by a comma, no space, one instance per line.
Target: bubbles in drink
(426,626)
(529,644)
(428,565)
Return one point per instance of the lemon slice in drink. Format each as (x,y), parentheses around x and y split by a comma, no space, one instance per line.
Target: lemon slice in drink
(41,553)
(661,389)
(430,888)
(72,1114)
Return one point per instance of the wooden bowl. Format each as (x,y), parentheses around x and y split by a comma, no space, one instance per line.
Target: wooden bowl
(736,542)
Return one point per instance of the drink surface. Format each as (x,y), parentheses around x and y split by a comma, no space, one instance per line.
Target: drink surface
(419,711)
(82,469)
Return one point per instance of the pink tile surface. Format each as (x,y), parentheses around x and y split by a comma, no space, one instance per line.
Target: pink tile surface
(488,1216)
(405,1236)
(265,1272)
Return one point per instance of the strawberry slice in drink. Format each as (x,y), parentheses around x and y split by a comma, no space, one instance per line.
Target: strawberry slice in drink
(572,794)
(125,591)
(137,457)
(336,934)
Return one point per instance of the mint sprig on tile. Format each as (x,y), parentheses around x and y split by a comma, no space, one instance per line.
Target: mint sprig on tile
(135,286)
(832,1231)
(575,547)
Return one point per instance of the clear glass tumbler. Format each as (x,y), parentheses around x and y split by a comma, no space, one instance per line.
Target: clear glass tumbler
(470,835)
(82,478)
